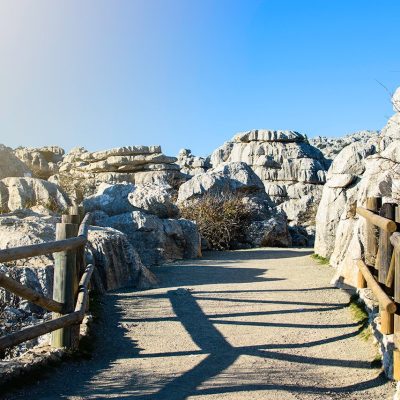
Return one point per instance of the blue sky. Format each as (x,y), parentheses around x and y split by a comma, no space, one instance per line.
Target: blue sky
(191,73)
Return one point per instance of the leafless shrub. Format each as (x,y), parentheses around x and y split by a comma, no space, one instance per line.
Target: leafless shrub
(221,218)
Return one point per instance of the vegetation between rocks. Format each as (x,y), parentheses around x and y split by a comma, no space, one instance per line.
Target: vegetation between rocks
(221,218)
(320,260)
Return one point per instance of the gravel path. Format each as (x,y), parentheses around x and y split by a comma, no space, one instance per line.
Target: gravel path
(255,324)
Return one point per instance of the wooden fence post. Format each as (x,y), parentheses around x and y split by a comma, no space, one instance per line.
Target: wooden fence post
(371,245)
(384,259)
(396,352)
(65,285)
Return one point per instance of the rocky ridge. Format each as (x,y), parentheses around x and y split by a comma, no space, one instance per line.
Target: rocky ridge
(331,147)
(81,172)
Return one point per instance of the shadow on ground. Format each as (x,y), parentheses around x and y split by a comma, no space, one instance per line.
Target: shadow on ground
(113,345)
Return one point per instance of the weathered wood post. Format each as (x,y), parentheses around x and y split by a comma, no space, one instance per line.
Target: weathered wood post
(384,258)
(65,284)
(396,352)
(371,246)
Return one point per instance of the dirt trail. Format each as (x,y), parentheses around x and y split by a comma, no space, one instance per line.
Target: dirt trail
(256,324)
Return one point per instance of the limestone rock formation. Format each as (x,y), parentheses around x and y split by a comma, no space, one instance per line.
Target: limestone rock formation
(190,164)
(17,193)
(331,147)
(155,199)
(270,232)
(377,171)
(81,172)
(111,199)
(235,177)
(157,240)
(339,193)
(10,165)
(292,171)
(42,161)
(117,264)
(266,228)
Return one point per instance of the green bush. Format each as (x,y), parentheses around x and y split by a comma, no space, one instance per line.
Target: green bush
(221,218)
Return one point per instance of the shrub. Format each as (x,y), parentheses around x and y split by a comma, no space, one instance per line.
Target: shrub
(221,218)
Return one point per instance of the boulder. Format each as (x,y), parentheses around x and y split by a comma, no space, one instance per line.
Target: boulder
(154,199)
(157,240)
(271,232)
(111,199)
(10,165)
(17,193)
(236,177)
(340,192)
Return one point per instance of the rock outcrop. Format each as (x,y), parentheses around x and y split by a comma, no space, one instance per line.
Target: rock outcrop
(292,171)
(155,199)
(157,240)
(18,193)
(331,147)
(10,165)
(42,161)
(266,227)
(117,265)
(190,164)
(81,172)
(374,170)
(142,212)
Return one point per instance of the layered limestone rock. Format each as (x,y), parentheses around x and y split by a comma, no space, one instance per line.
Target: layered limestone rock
(331,147)
(18,193)
(157,240)
(340,193)
(10,165)
(81,172)
(267,227)
(142,212)
(42,161)
(292,171)
(377,170)
(190,164)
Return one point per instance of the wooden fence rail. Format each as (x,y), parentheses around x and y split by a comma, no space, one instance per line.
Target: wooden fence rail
(380,269)
(70,298)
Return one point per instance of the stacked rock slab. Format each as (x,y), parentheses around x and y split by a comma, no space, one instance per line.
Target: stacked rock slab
(292,170)
(42,161)
(82,171)
(190,164)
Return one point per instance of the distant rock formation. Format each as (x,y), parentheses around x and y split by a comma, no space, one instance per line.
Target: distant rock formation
(42,161)
(81,172)
(292,171)
(331,147)
(190,164)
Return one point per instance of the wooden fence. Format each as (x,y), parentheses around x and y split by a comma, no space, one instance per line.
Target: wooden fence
(71,282)
(380,269)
